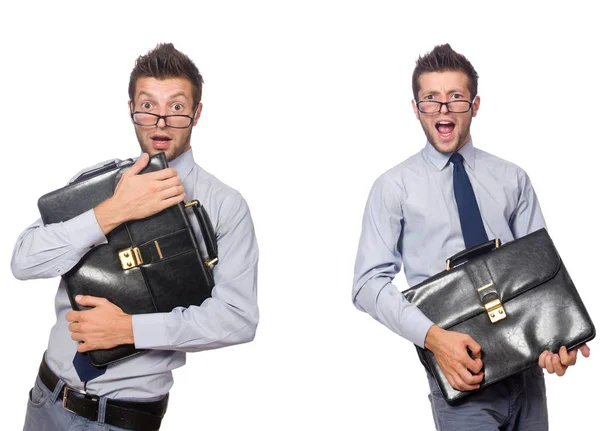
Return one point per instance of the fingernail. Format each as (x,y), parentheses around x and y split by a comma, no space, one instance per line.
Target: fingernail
(78,297)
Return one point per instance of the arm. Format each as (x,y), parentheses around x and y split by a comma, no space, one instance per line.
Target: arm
(230,316)
(377,263)
(52,250)
(527,216)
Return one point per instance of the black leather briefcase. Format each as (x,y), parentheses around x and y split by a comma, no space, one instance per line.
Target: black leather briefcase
(516,300)
(149,265)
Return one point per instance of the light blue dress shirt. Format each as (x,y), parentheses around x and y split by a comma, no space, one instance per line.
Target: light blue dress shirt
(411,216)
(229,317)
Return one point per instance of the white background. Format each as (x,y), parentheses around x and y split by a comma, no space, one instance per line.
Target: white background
(305,104)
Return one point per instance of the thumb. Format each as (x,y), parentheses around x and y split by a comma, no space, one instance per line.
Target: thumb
(89,301)
(139,164)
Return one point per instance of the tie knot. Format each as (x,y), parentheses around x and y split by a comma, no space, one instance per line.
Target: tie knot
(456,158)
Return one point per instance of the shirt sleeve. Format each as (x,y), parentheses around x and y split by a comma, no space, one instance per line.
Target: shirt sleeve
(45,251)
(230,315)
(51,250)
(527,216)
(379,260)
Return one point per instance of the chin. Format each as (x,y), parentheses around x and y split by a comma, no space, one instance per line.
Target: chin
(449,147)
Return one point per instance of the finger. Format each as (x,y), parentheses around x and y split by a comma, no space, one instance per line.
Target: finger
(549,367)
(162,174)
(74,327)
(137,167)
(84,347)
(559,368)
(76,336)
(475,366)
(173,200)
(161,185)
(461,385)
(90,301)
(73,316)
(474,347)
(470,379)
(170,192)
(567,358)
(585,350)
(542,359)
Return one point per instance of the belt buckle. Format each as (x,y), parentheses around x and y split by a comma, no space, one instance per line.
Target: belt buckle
(66,391)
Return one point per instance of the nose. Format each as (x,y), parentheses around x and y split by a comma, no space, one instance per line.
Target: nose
(164,123)
(444,108)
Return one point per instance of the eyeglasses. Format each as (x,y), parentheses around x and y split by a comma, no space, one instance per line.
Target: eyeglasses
(174,121)
(433,107)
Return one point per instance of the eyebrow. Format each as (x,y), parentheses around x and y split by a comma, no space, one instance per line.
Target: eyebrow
(448,92)
(151,96)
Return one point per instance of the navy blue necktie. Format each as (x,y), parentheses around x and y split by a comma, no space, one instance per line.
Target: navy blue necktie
(468,210)
(85,369)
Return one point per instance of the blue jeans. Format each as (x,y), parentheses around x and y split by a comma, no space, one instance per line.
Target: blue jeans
(46,413)
(517,403)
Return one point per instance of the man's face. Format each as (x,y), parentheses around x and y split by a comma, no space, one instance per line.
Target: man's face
(446,131)
(171,96)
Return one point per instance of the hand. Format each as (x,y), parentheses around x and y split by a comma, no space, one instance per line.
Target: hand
(139,196)
(558,363)
(450,351)
(102,327)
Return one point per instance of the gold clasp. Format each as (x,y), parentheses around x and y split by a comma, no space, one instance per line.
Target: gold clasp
(130,257)
(495,310)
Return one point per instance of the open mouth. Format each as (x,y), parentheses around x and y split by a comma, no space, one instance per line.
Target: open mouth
(160,141)
(445,128)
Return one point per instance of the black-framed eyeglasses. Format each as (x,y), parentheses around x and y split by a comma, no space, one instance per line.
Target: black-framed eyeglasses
(433,107)
(174,121)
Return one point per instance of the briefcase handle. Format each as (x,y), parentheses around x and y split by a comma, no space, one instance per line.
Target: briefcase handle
(472,252)
(208,232)
(104,168)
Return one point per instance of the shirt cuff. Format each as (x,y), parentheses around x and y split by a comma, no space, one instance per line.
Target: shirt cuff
(149,330)
(84,231)
(418,328)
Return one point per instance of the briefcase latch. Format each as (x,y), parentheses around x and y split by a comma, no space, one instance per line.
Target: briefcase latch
(495,310)
(130,257)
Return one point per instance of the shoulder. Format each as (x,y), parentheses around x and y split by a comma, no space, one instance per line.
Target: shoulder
(390,187)
(394,178)
(221,201)
(495,163)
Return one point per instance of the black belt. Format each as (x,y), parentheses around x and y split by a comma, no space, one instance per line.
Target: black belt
(139,416)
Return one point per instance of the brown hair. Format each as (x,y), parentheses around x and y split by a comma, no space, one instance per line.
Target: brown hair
(443,59)
(163,62)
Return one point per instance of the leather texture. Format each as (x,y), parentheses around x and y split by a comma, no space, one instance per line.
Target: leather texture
(542,307)
(179,278)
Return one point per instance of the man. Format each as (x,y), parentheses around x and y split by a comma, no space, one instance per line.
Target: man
(165,90)
(412,216)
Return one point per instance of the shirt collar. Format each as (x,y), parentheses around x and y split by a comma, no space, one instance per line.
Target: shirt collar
(183,163)
(440,160)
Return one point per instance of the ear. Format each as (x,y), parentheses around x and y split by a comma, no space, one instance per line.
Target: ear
(415,109)
(476,103)
(130,106)
(197,116)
